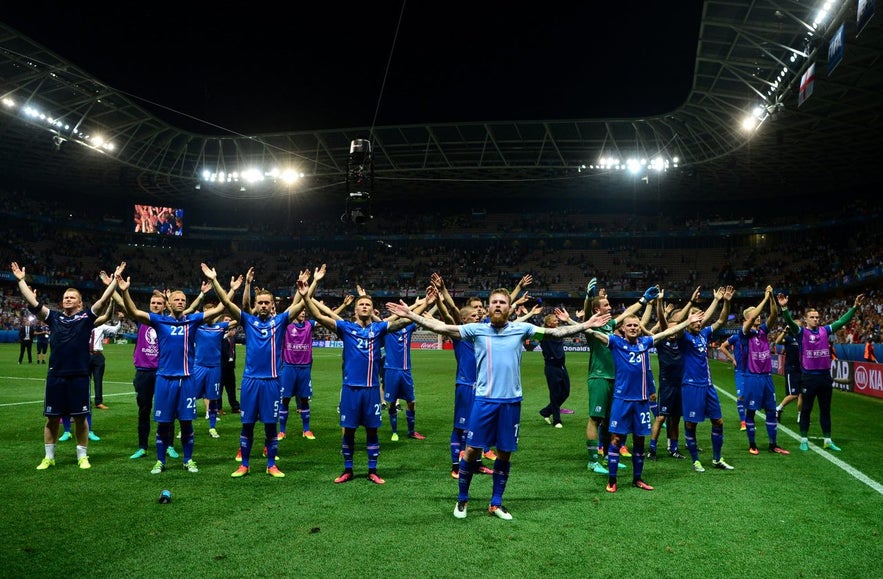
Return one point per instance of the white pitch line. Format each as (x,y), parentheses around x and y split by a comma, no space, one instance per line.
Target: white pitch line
(857,474)
(43,381)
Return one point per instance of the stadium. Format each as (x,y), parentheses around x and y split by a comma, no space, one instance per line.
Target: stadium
(763,172)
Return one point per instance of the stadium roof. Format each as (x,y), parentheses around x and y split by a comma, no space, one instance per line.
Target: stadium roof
(749,55)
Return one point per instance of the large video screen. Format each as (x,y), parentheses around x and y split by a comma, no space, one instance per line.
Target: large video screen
(155,220)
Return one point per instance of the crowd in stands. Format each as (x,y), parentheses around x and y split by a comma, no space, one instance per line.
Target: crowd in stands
(818,263)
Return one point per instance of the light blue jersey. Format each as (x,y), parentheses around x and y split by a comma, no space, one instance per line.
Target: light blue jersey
(498,358)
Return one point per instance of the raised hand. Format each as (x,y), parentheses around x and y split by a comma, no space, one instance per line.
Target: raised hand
(728,292)
(782,299)
(591,286)
(210,272)
(596,321)
(400,309)
(651,293)
(18,272)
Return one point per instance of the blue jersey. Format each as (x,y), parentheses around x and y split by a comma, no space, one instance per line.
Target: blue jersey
(739,348)
(633,379)
(361,352)
(498,358)
(397,346)
(69,337)
(694,349)
(177,342)
(263,344)
(209,339)
(464,353)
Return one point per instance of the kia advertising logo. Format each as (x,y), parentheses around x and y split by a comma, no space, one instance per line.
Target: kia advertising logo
(868,380)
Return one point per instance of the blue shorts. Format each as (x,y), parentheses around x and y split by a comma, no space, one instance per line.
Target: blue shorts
(66,395)
(207,381)
(360,407)
(398,384)
(297,381)
(174,397)
(630,417)
(669,400)
(494,424)
(464,397)
(259,400)
(700,402)
(759,392)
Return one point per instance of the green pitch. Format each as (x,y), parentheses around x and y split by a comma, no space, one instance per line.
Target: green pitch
(804,515)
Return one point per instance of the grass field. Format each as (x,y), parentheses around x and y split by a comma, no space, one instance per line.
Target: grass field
(804,515)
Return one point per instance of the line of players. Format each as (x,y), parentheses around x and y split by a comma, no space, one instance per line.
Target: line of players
(187,355)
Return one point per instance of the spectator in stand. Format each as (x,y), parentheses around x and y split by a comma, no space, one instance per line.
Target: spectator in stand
(870,355)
